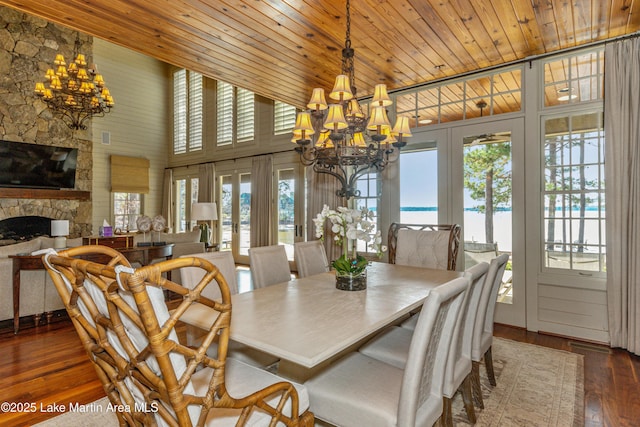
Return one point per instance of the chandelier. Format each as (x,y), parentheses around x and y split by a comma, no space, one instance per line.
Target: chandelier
(338,138)
(75,92)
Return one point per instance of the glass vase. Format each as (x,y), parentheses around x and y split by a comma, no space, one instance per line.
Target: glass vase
(347,281)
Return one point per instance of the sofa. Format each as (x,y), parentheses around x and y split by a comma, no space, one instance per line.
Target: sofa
(37,292)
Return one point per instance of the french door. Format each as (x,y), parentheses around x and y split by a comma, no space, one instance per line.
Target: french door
(234,195)
(487,199)
(473,176)
(289,204)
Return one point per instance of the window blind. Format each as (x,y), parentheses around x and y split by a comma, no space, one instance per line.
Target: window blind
(195,111)
(180,111)
(129,174)
(224,113)
(245,105)
(284,117)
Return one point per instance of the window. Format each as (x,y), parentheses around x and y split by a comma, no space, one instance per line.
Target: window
(574,79)
(187,111)
(370,187)
(574,206)
(127,207)
(186,193)
(284,118)
(489,95)
(235,114)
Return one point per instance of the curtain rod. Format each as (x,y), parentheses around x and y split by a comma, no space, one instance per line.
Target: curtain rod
(234,159)
(515,62)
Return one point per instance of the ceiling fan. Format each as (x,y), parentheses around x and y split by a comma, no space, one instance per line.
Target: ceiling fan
(487,138)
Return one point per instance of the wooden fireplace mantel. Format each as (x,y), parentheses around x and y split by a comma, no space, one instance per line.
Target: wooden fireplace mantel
(33,193)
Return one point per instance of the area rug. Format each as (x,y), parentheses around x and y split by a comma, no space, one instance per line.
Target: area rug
(536,386)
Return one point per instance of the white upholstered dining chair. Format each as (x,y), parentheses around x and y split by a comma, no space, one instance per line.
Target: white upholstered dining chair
(198,317)
(483,329)
(310,257)
(358,390)
(269,265)
(392,346)
(424,245)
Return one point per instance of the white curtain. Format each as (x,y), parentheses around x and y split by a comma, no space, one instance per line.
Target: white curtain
(167,199)
(322,191)
(622,173)
(261,195)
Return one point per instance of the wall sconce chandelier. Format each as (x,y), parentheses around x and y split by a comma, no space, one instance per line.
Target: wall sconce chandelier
(75,92)
(338,138)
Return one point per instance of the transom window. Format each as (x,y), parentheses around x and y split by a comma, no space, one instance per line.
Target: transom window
(573,79)
(496,93)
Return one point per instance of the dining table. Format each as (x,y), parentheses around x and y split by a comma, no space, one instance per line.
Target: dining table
(307,322)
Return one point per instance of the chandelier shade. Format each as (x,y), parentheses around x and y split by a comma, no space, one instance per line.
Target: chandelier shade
(74,92)
(346,142)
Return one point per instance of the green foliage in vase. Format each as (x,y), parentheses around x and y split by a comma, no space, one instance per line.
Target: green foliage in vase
(346,265)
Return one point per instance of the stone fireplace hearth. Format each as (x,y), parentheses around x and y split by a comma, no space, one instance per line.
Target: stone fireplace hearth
(19,211)
(23,228)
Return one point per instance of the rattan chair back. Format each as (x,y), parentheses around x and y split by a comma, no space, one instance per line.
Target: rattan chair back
(122,320)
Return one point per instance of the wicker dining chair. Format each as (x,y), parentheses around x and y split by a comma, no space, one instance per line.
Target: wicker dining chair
(424,245)
(125,326)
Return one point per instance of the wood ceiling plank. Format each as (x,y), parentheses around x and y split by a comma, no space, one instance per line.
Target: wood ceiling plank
(282,49)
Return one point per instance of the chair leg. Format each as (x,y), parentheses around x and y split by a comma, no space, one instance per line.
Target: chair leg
(475,384)
(488,363)
(467,398)
(446,419)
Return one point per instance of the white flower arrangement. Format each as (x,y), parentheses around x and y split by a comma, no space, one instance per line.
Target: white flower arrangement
(348,226)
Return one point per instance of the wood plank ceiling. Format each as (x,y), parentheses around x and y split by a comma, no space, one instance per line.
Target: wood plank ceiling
(282,49)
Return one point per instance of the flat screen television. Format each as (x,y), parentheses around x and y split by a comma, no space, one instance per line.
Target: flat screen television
(24,165)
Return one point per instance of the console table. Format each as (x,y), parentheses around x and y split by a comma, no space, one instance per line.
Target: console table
(141,255)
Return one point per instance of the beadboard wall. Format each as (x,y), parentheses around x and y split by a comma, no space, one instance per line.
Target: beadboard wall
(138,126)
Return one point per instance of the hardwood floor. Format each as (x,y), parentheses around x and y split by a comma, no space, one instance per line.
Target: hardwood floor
(47,365)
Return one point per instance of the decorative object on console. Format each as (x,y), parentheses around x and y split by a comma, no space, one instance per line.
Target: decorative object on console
(59,230)
(144,224)
(345,142)
(75,93)
(158,224)
(204,211)
(349,226)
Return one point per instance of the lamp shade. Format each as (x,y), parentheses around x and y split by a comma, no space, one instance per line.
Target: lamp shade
(358,140)
(59,227)
(303,124)
(342,89)
(401,127)
(381,97)
(204,211)
(335,119)
(378,118)
(317,101)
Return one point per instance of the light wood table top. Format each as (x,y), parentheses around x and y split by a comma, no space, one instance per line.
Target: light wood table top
(307,321)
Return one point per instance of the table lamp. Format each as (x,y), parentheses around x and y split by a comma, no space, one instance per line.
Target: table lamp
(204,211)
(59,231)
